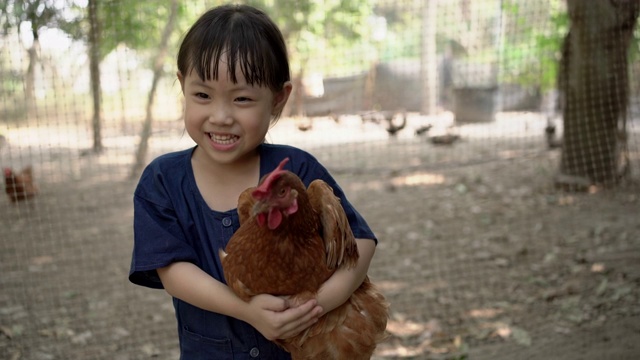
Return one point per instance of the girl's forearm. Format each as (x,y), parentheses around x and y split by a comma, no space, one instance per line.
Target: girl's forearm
(335,291)
(270,315)
(191,284)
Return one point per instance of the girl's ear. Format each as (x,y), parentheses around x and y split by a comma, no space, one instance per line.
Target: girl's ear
(181,79)
(280,98)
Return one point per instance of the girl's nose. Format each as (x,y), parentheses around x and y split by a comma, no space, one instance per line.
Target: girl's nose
(220,115)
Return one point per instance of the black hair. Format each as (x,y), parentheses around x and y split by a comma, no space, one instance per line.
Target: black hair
(243,36)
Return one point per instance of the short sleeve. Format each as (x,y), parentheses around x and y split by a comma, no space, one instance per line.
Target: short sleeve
(159,239)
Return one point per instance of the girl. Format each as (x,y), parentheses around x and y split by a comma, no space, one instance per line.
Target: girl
(234,74)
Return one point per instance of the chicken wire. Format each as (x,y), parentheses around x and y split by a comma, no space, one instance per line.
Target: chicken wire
(480,255)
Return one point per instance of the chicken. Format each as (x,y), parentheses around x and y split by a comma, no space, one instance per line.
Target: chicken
(305,124)
(446,139)
(423,129)
(19,186)
(290,241)
(550,134)
(393,128)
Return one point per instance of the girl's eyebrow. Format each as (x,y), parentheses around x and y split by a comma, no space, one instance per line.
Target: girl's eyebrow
(240,86)
(198,82)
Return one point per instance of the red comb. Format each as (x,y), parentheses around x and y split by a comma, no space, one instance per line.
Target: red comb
(263,188)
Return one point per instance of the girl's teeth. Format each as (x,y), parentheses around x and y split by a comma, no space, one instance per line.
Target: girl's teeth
(222,139)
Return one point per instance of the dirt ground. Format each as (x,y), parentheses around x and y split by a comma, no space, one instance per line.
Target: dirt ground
(480,259)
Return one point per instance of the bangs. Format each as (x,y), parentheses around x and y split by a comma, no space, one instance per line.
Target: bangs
(240,40)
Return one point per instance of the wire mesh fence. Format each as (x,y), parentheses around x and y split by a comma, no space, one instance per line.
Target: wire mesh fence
(505,200)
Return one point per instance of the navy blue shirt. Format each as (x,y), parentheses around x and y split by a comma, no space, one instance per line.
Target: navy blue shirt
(172,222)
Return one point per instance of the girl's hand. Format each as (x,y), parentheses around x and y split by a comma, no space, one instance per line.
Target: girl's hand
(277,318)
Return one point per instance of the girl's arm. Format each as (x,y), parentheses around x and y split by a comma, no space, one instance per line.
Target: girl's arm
(272,316)
(339,287)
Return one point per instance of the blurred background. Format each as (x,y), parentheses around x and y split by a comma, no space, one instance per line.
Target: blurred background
(492,145)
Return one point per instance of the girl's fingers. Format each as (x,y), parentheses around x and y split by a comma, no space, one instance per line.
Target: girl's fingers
(309,314)
(272,303)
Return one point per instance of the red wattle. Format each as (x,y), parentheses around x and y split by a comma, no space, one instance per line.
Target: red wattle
(275,218)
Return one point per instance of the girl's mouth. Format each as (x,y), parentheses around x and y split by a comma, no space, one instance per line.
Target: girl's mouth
(223,139)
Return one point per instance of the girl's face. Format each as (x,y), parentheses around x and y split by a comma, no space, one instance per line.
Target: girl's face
(228,121)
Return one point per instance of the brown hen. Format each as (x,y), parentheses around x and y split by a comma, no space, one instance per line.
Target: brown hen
(20,186)
(290,241)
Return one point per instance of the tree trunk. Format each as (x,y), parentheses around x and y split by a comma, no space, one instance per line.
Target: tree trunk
(428,61)
(30,81)
(158,64)
(34,50)
(595,87)
(94,71)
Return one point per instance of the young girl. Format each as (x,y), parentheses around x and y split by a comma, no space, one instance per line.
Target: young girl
(234,73)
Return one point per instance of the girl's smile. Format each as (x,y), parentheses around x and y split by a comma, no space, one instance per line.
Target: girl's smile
(223,142)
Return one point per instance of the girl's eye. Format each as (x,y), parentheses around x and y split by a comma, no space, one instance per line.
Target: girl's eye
(242,99)
(202,95)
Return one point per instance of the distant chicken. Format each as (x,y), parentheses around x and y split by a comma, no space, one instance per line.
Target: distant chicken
(290,241)
(423,129)
(393,128)
(305,124)
(446,139)
(20,186)
(550,135)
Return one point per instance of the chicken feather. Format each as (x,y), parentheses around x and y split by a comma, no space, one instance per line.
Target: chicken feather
(290,241)
(340,245)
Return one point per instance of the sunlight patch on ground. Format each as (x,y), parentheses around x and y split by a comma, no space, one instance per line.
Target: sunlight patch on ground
(415,179)
(485,313)
(418,179)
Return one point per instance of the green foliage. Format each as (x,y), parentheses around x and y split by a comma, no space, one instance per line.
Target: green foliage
(335,37)
(403,30)
(548,46)
(533,57)
(318,33)
(635,44)
(136,24)
(38,13)
(532,52)
(10,87)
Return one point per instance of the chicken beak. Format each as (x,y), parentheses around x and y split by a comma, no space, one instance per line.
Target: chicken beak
(260,207)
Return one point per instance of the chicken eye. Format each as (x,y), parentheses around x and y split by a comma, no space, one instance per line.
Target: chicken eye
(282,192)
